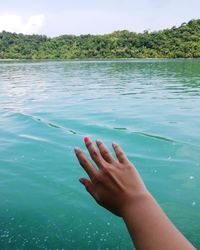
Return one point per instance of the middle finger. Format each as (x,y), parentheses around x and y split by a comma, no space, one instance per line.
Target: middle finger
(94,153)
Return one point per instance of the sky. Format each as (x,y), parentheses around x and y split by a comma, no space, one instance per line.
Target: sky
(58,17)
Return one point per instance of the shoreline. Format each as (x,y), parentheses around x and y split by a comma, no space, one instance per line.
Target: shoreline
(101,59)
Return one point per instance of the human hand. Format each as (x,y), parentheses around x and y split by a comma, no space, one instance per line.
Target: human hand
(116,184)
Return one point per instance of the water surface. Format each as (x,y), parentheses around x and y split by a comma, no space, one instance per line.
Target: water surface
(150,107)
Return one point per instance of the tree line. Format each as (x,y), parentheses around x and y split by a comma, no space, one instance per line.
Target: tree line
(176,42)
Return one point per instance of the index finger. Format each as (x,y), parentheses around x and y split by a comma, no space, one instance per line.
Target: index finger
(85,163)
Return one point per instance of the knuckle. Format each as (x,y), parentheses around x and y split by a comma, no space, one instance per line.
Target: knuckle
(96,178)
(128,166)
(84,161)
(94,154)
(106,169)
(89,144)
(105,152)
(81,155)
(119,153)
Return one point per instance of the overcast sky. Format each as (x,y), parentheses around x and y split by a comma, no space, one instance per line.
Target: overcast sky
(54,18)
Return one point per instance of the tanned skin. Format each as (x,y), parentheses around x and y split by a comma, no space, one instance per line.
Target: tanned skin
(117,186)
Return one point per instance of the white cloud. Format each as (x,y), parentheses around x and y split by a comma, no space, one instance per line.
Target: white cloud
(15,23)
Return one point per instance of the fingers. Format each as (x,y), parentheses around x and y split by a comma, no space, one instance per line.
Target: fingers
(89,187)
(94,153)
(105,153)
(120,153)
(85,163)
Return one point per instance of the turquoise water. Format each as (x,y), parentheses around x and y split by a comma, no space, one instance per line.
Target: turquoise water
(150,107)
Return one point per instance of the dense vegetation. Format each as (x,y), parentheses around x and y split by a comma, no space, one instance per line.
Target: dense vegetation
(177,42)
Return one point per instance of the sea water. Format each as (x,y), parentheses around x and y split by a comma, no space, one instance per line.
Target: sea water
(150,107)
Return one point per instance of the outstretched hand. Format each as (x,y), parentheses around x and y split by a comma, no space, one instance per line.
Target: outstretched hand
(114,184)
(117,186)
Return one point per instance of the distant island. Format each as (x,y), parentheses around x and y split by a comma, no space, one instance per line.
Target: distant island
(177,42)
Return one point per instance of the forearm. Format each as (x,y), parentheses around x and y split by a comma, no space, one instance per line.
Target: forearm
(150,228)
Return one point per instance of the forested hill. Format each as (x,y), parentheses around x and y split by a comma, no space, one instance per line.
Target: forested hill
(177,42)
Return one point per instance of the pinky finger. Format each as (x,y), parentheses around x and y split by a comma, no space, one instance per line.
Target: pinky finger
(121,156)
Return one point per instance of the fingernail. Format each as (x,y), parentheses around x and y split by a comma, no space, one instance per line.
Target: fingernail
(98,141)
(114,144)
(86,139)
(76,149)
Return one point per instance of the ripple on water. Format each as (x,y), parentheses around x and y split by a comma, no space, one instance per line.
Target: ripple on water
(150,107)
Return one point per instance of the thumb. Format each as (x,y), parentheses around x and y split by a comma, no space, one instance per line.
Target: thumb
(89,186)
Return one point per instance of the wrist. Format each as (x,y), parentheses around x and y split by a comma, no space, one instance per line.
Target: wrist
(136,203)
